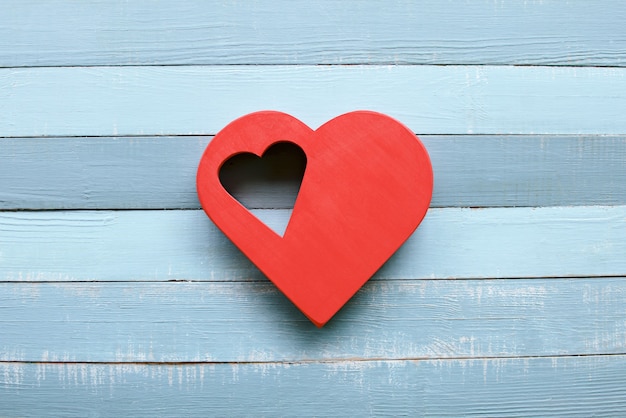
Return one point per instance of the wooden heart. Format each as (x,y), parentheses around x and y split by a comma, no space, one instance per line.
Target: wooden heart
(367,186)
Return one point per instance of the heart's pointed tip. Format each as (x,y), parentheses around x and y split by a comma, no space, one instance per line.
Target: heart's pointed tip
(318,320)
(318,324)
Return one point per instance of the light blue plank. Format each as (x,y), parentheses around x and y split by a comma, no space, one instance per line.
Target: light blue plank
(578,241)
(253,322)
(470,171)
(202,100)
(533,387)
(106,172)
(309,32)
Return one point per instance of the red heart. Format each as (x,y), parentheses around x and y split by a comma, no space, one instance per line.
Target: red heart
(367,186)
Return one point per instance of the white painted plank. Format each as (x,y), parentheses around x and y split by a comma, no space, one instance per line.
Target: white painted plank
(202,100)
(581,241)
(159,172)
(35,33)
(528,387)
(253,322)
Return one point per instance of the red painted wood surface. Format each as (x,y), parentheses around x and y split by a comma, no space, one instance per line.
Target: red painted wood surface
(367,186)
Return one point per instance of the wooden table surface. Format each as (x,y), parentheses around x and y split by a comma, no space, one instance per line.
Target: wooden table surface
(119,297)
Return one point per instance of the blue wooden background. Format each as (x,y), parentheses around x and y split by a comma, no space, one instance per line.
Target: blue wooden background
(118,297)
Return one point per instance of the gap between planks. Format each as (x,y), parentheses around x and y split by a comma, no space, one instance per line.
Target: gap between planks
(258,280)
(316,361)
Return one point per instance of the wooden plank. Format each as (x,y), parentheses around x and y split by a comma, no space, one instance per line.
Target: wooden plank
(253,322)
(34,33)
(579,241)
(470,171)
(528,387)
(202,100)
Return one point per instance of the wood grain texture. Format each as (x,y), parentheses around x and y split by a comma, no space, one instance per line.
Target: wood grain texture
(35,33)
(178,100)
(254,322)
(507,311)
(528,387)
(579,241)
(159,172)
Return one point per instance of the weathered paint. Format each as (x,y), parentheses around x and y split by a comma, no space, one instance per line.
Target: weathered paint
(470,170)
(577,241)
(529,387)
(176,100)
(35,33)
(518,311)
(253,322)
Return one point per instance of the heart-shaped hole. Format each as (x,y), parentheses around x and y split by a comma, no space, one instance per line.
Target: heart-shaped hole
(268,182)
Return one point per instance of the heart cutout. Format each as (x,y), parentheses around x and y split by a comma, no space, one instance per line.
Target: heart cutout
(271,181)
(367,186)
